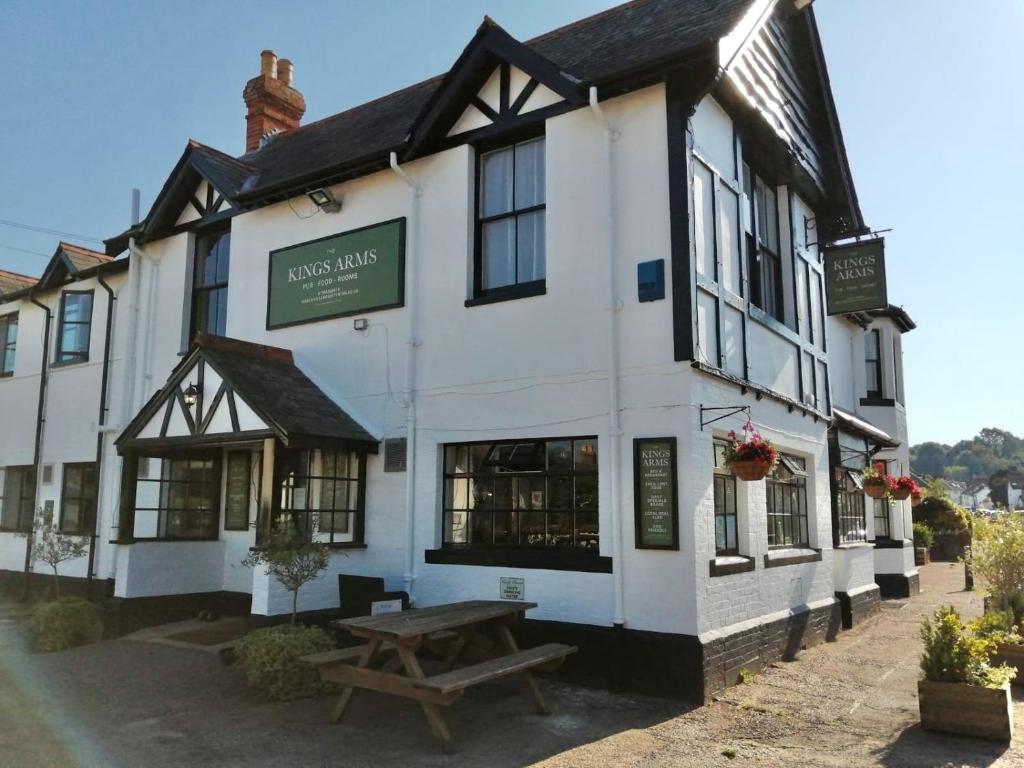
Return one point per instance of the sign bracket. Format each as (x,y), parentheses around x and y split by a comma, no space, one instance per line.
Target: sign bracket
(730,410)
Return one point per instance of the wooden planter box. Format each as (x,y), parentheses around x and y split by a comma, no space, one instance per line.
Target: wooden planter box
(970,710)
(1012,654)
(921,556)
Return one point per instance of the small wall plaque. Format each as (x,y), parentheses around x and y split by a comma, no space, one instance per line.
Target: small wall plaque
(380,607)
(512,588)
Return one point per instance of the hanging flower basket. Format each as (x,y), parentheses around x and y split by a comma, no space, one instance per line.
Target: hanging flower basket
(877,484)
(903,488)
(750,470)
(876,490)
(752,458)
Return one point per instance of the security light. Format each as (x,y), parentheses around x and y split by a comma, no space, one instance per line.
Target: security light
(191,395)
(324,200)
(360,324)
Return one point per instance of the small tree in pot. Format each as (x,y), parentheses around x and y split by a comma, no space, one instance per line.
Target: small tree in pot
(53,547)
(292,560)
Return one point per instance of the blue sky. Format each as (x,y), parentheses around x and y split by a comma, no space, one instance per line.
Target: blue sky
(101,96)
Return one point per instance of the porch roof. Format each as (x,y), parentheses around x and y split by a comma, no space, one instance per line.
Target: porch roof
(266,380)
(850,423)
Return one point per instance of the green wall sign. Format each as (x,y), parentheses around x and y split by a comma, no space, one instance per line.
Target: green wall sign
(656,498)
(855,277)
(352,273)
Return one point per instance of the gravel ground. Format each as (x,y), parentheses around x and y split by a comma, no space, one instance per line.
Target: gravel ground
(137,703)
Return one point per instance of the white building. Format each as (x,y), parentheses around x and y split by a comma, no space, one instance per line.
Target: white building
(446,331)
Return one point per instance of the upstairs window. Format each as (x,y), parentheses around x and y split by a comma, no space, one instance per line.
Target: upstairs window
(510,220)
(8,343)
(17,504)
(873,362)
(78,499)
(210,283)
(764,262)
(75,327)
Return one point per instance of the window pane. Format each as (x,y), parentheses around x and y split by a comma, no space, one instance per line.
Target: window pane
(77,307)
(529,174)
(223,257)
(559,529)
(496,182)
(559,455)
(530,246)
(74,340)
(585,454)
(498,254)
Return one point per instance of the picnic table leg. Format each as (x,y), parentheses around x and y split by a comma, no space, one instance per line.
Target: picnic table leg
(505,635)
(454,651)
(431,711)
(346,694)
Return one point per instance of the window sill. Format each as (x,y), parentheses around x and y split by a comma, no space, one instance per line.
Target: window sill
(883,543)
(509,293)
(7,374)
(19,531)
(539,559)
(727,565)
(856,545)
(774,324)
(792,556)
(163,541)
(335,545)
(884,402)
(67,363)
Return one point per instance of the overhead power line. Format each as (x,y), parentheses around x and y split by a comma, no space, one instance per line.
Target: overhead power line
(46,231)
(25,250)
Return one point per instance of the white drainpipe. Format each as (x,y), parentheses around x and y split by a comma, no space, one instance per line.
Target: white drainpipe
(412,271)
(138,257)
(614,425)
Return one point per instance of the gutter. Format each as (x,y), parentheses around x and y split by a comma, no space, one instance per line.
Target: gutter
(40,422)
(100,432)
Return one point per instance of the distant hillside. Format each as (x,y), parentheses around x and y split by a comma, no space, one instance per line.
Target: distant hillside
(992,451)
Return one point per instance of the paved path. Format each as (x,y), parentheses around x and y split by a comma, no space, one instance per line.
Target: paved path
(127,703)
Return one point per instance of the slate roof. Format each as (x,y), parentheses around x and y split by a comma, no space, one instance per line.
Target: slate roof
(280,393)
(81,257)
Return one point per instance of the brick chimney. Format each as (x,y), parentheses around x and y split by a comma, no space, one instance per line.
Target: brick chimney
(271,102)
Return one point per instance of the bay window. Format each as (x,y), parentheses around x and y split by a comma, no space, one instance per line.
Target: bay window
(321,496)
(182,502)
(539,493)
(850,512)
(786,489)
(882,530)
(510,221)
(726,516)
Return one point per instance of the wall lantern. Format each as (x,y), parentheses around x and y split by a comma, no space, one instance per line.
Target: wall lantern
(191,395)
(324,200)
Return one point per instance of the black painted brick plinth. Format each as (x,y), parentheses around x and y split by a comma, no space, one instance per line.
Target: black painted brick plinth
(757,647)
(122,615)
(898,585)
(857,608)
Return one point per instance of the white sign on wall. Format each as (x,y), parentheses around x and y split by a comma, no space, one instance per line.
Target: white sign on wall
(380,607)
(512,588)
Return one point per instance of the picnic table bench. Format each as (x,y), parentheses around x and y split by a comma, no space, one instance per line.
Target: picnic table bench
(449,628)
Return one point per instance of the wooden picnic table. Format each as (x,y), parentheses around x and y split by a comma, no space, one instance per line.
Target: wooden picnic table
(454,628)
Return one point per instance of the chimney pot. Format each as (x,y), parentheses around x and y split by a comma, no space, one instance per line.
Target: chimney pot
(285,72)
(268,63)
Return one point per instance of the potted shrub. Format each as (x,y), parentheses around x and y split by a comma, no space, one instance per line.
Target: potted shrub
(961,692)
(1006,645)
(923,540)
(751,458)
(876,483)
(903,488)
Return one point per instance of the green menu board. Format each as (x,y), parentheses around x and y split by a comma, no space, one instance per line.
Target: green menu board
(656,497)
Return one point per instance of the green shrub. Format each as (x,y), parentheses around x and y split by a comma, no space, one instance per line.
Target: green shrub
(65,623)
(997,556)
(923,536)
(995,627)
(953,655)
(270,660)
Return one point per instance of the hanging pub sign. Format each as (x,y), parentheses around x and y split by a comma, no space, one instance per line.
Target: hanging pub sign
(351,273)
(855,277)
(655,493)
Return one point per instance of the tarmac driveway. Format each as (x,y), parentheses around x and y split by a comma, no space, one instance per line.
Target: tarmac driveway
(136,703)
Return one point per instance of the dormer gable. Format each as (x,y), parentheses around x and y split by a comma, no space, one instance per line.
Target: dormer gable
(497,84)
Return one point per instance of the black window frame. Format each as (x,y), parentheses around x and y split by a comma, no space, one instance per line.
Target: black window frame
(88,491)
(875,363)
(763,282)
(8,348)
(307,522)
(26,494)
(851,508)
(516,289)
(881,513)
(200,290)
(580,541)
(208,532)
(63,356)
(786,504)
(722,481)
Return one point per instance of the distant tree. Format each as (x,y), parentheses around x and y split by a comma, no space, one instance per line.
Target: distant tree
(999,488)
(938,511)
(957,472)
(928,459)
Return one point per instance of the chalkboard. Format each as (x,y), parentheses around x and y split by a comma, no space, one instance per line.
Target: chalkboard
(236,508)
(656,498)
